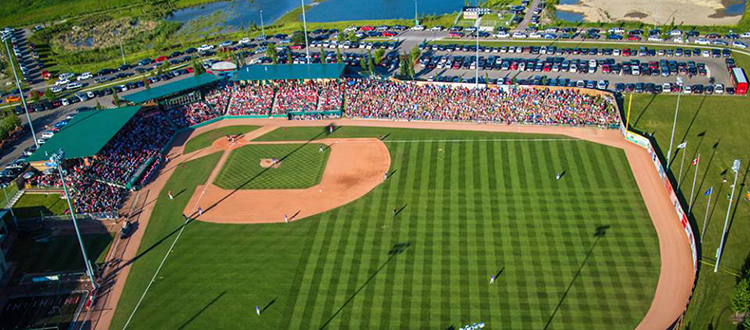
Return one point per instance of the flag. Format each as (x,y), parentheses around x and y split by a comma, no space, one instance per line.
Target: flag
(682,145)
(709,191)
(696,160)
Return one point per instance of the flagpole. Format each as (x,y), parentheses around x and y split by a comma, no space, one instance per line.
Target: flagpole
(676,110)
(627,121)
(695,177)
(708,207)
(682,164)
(736,169)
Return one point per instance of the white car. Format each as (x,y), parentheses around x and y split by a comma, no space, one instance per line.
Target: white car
(502,35)
(73,85)
(62,82)
(655,38)
(616,31)
(702,41)
(66,76)
(418,28)
(616,52)
(705,53)
(519,35)
(350,29)
(666,87)
(56,89)
(204,48)
(244,41)
(90,94)
(719,89)
(84,76)
(551,30)
(436,28)
(745,35)
(65,102)
(47,134)
(535,35)
(739,44)
(675,33)
(226,44)
(678,40)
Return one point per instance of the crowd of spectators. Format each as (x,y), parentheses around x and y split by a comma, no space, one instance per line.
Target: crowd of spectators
(98,183)
(250,99)
(385,99)
(193,113)
(331,95)
(296,96)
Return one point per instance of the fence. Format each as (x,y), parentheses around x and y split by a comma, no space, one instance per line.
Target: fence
(681,214)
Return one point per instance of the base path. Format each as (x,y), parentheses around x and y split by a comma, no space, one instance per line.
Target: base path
(354,168)
(676,271)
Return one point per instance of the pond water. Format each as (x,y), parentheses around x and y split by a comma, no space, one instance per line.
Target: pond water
(569,16)
(235,14)
(736,7)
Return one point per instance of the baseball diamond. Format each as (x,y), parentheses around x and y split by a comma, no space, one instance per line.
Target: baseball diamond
(419,248)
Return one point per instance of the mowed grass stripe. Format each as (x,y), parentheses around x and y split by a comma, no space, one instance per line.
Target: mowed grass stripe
(302,270)
(361,232)
(387,285)
(428,236)
(447,302)
(414,257)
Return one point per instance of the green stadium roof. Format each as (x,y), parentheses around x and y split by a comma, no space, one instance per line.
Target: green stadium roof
(289,72)
(171,88)
(86,134)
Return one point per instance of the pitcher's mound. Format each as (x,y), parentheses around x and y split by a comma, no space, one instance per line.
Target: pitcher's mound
(268,162)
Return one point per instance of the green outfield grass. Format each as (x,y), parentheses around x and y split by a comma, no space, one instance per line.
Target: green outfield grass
(60,254)
(301,166)
(717,128)
(470,208)
(205,139)
(37,205)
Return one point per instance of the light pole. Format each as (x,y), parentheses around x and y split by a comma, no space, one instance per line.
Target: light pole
(262,26)
(304,24)
(122,52)
(476,58)
(416,16)
(56,159)
(20,91)
(736,169)
(674,124)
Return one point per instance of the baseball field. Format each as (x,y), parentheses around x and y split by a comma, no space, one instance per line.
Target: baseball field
(416,252)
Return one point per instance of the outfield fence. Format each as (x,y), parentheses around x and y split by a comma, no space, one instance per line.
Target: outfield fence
(678,208)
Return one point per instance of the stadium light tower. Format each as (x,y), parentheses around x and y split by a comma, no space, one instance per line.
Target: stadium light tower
(304,24)
(55,161)
(736,169)
(674,124)
(20,91)
(416,16)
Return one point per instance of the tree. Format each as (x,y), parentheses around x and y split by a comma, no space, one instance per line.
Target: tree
(116,98)
(271,52)
(414,53)
(289,59)
(98,105)
(49,95)
(341,37)
(298,37)
(353,37)
(370,62)
(740,297)
(146,83)
(379,55)
(402,70)
(34,96)
(322,55)
(363,64)
(339,59)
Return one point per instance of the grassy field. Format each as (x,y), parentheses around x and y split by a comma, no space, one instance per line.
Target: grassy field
(715,128)
(36,205)
(205,139)
(485,206)
(36,257)
(301,166)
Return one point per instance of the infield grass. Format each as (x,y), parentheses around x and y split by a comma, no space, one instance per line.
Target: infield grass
(206,139)
(469,209)
(300,166)
(716,127)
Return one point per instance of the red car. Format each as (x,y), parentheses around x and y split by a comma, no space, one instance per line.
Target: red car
(389,34)
(366,28)
(634,38)
(160,59)
(295,47)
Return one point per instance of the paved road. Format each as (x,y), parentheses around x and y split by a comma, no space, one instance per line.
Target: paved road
(527,18)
